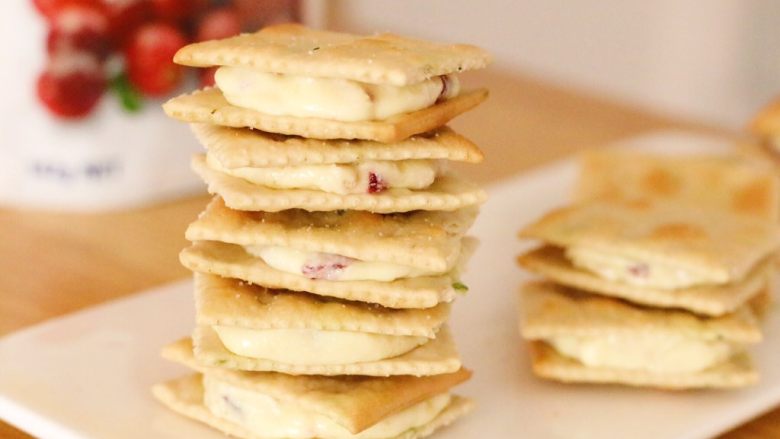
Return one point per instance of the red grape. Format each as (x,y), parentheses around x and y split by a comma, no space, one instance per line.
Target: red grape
(219,23)
(177,11)
(125,16)
(149,58)
(48,7)
(72,84)
(79,27)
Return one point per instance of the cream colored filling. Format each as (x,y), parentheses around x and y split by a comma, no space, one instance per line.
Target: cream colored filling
(641,273)
(312,346)
(328,266)
(268,417)
(327,98)
(353,178)
(660,353)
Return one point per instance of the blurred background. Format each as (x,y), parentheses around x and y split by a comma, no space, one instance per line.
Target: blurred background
(81,123)
(713,61)
(95,184)
(83,130)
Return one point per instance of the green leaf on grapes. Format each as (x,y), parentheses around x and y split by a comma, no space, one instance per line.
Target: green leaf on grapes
(129,97)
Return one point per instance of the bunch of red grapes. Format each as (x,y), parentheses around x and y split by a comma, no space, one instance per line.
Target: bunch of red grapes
(127,46)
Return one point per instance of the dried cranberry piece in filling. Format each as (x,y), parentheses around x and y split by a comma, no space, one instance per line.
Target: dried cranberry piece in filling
(375,183)
(327,267)
(639,270)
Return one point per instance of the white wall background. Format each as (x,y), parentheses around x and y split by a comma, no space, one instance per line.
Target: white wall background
(717,61)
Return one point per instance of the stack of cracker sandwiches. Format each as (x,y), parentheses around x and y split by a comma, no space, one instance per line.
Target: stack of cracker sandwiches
(327,260)
(656,275)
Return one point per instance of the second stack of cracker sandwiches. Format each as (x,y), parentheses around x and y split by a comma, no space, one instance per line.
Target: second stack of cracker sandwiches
(327,260)
(656,275)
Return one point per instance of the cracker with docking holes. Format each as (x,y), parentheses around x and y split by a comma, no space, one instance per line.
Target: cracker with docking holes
(743,186)
(230,302)
(238,148)
(578,337)
(293,49)
(547,363)
(549,310)
(185,396)
(210,107)
(228,260)
(355,402)
(435,357)
(714,300)
(657,240)
(446,193)
(428,240)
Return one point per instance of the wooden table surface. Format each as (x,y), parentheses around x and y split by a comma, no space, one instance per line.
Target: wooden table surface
(54,264)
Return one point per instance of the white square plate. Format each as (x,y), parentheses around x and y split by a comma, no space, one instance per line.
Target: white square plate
(88,375)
